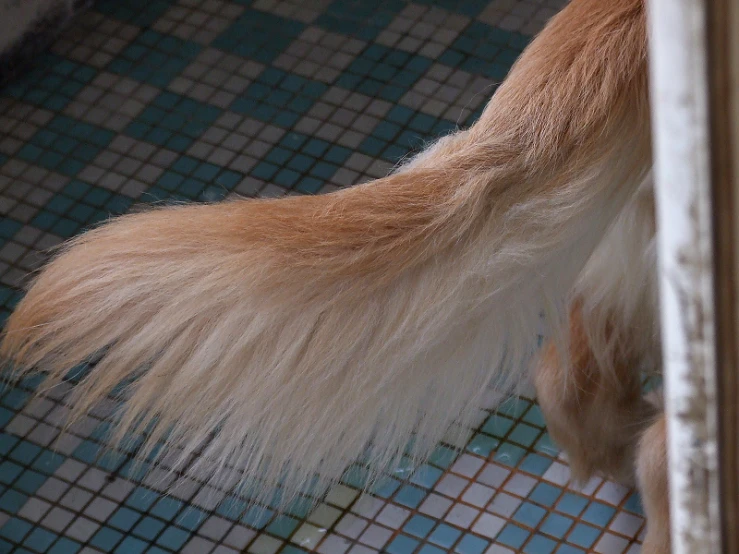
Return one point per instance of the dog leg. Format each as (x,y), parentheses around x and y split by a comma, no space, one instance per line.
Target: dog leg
(592,398)
(594,414)
(651,469)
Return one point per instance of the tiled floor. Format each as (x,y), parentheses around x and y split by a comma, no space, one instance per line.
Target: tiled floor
(156,100)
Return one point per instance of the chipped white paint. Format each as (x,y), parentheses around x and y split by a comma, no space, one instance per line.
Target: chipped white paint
(682,167)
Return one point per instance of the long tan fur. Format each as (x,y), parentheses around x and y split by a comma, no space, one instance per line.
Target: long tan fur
(285,336)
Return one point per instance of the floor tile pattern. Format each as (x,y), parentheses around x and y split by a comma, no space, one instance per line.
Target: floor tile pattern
(198,100)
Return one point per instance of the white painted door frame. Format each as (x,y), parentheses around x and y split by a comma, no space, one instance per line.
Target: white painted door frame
(693,45)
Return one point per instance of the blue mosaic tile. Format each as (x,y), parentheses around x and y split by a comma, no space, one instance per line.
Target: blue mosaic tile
(470,8)
(124,519)
(482,49)
(11,501)
(65,546)
(51,84)
(546,445)
(290,549)
(190,179)
(300,507)
(257,517)
(471,544)
(278,97)
(514,407)
(87,451)
(572,504)
(529,514)
(524,434)
(135,12)
(402,545)
(540,545)
(534,416)
(173,121)
(513,536)
(155,58)
(545,494)
(9,227)
(282,526)
(533,463)
(15,399)
(65,145)
(426,476)
(268,35)
(355,476)
(482,445)
(48,462)
(384,72)
(29,482)
(166,508)
(15,529)
(598,514)
(556,525)
(445,535)
(79,205)
(106,539)
(24,452)
(40,539)
(5,416)
(419,526)
(387,487)
(141,499)
(148,528)
(131,545)
(443,456)
(509,454)
(569,549)
(9,472)
(191,518)
(583,535)
(363,20)
(498,426)
(301,162)
(393,138)
(410,496)
(173,538)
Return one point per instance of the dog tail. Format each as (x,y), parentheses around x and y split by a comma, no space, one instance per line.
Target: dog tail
(286,337)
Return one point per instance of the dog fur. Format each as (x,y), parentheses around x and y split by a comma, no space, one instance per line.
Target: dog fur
(285,337)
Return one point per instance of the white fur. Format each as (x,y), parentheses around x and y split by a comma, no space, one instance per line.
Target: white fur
(619,286)
(287,386)
(287,360)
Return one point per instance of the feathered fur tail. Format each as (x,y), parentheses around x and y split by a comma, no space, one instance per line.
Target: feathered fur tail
(285,336)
